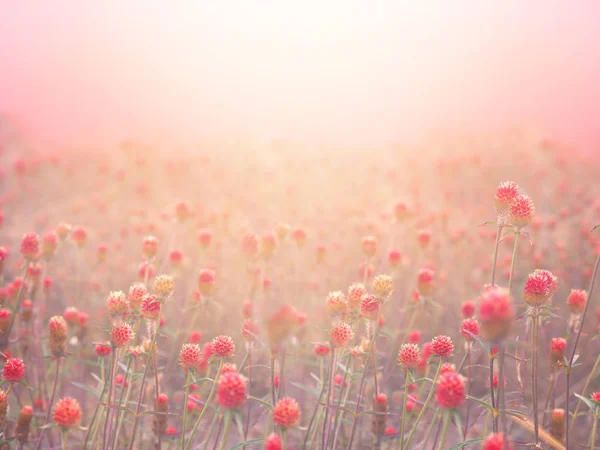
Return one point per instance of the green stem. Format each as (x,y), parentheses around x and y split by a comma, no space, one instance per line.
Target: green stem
(424,407)
(593,440)
(585,387)
(534,344)
(444,430)
(403,419)
(109,412)
(226,429)
(119,423)
(187,394)
(326,424)
(205,407)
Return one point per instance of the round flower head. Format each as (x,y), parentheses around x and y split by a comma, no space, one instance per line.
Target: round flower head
(228,367)
(468,309)
(369,246)
(557,423)
(286,413)
(49,244)
(341,334)
(146,271)
(30,245)
(136,295)
(505,194)
(423,237)
(176,257)
(182,211)
(495,441)
(414,337)
(71,315)
(121,335)
(425,282)
(322,350)
(14,369)
(190,356)
(401,211)
(336,303)
(67,413)
(442,346)
(521,211)
(409,356)
(450,390)
(250,330)
(231,390)
(558,347)
(117,303)
(5,318)
(205,237)
(596,397)
(57,338)
(249,246)
(447,367)
(164,285)
(369,306)
(150,246)
(382,286)
(299,236)
(539,287)
(103,349)
(496,313)
(355,295)
(62,230)
(24,423)
(273,442)
(576,301)
(395,258)
(223,346)
(206,281)
(150,307)
(469,328)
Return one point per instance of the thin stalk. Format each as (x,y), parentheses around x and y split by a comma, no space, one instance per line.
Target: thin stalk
(157,387)
(339,414)
(47,421)
(326,424)
(444,430)
(495,259)
(18,305)
(120,414)
(403,419)
(205,407)
(249,355)
(226,429)
(424,407)
(284,439)
(273,396)
(187,394)
(593,439)
(534,343)
(109,413)
(312,418)
(92,423)
(572,357)
(585,387)
(466,426)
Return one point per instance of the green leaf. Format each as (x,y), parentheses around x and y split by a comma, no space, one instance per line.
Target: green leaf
(48,425)
(267,404)
(458,423)
(465,443)
(305,389)
(86,388)
(481,402)
(590,403)
(247,443)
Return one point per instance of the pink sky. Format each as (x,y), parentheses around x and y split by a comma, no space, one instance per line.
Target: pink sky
(341,72)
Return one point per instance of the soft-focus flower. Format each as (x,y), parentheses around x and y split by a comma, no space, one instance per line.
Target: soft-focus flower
(117,304)
(206,281)
(450,390)
(369,306)
(382,285)
(231,390)
(250,330)
(286,413)
(442,346)
(57,334)
(504,196)
(425,281)
(273,442)
(164,285)
(14,369)
(355,295)
(30,245)
(409,356)
(495,441)
(223,346)
(341,334)
(369,246)
(121,335)
(468,309)
(136,295)
(336,303)
(67,413)
(150,307)
(496,313)
(558,346)
(190,356)
(79,235)
(576,301)
(521,211)
(539,287)
(103,349)
(322,349)
(150,246)
(469,328)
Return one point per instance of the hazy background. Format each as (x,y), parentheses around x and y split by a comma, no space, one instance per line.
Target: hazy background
(339,72)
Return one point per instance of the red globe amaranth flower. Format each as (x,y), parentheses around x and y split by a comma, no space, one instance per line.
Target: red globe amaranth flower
(249,246)
(79,235)
(231,390)
(205,237)
(369,246)
(150,307)
(425,281)
(577,300)
(400,211)
(495,441)
(183,211)
(409,356)
(103,349)
(137,292)
(121,335)
(150,246)
(30,245)
(195,337)
(369,306)
(506,192)
(119,380)
(442,346)
(67,413)
(414,337)
(250,330)
(469,328)
(171,431)
(447,367)
(521,211)
(468,309)
(341,334)
(71,315)
(395,258)
(286,413)
(190,356)
(117,304)
(247,309)
(355,294)
(206,281)
(299,236)
(5,317)
(14,369)
(423,237)
(336,303)
(273,442)
(496,313)
(596,397)
(558,346)
(176,257)
(450,390)
(223,346)
(539,287)
(322,350)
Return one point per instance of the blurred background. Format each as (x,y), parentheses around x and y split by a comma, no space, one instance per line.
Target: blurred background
(329,73)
